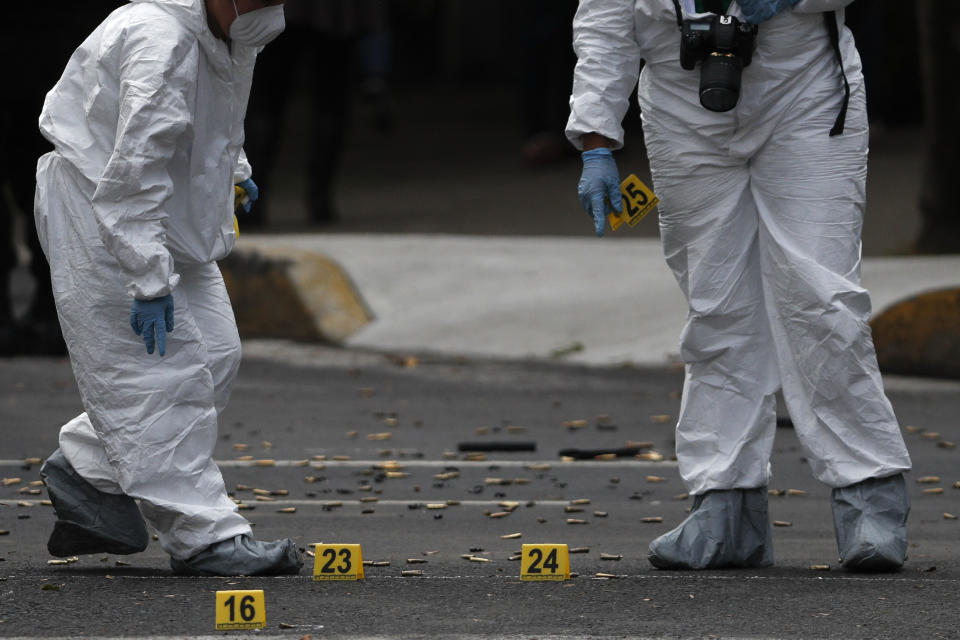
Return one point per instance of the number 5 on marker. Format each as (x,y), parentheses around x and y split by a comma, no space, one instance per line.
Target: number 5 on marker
(638,201)
(240,610)
(337,562)
(545,562)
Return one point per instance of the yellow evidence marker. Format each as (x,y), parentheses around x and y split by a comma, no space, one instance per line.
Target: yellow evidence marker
(545,562)
(337,562)
(241,610)
(638,201)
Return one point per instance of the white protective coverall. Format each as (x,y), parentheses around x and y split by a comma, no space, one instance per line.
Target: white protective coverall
(760,219)
(137,201)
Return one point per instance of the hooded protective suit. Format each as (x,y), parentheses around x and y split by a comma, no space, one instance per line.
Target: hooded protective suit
(760,218)
(137,201)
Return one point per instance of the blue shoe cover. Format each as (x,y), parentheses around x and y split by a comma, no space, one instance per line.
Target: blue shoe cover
(870,519)
(242,556)
(89,520)
(726,528)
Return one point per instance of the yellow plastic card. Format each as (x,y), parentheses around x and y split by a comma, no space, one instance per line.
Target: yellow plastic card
(337,562)
(545,562)
(638,201)
(240,610)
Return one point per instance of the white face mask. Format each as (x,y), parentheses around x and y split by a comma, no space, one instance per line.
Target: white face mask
(259,27)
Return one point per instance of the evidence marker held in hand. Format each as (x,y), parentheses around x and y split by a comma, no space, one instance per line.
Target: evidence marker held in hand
(240,610)
(545,562)
(638,201)
(337,562)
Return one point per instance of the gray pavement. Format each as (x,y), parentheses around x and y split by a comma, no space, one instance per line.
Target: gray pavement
(326,402)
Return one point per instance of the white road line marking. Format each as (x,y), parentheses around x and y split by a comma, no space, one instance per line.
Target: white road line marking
(432,464)
(320,502)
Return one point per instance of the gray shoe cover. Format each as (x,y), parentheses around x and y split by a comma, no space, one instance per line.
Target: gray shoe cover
(89,520)
(870,519)
(242,556)
(729,528)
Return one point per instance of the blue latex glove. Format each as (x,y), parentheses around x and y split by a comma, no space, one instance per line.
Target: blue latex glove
(757,11)
(253,193)
(599,186)
(149,316)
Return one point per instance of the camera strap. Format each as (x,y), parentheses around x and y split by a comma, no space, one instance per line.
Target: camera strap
(830,17)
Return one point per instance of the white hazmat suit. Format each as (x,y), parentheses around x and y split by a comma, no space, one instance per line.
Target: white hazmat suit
(760,218)
(137,201)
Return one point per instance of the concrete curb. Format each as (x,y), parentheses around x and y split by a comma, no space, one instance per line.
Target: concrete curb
(920,335)
(282,292)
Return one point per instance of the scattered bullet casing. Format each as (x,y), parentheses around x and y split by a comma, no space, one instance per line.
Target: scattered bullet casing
(681,496)
(511,536)
(949,516)
(660,419)
(539,466)
(10,481)
(934,491)
(416,561)
(600,514)
(478,559)
(928,480)
(820,567)
(796,492)
(580,501)
(369,499)
(655,479)
(569,509)
(610,556)
(411,573)
(499,514)
(782,523)
(947,445)
(265,463)
(652,519)
(579,550)
(650,456)
(287,510)
(32,460)
(261,492)
(930,435)
(397,474)
(775,492)
(606,575)
(265,499)
(436,505)
(386,435)
(575,424)
(576,521)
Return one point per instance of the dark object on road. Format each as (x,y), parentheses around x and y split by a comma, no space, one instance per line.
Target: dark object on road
(590,454)
(498,445)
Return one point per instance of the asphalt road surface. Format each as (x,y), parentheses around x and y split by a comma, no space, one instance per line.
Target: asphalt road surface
(378,409)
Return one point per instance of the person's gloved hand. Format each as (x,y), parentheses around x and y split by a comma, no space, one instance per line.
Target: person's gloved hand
(599,187)
(253,193)
(757,11)
(149,316)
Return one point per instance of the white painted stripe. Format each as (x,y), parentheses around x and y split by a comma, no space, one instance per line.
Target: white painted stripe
(431,464)
(320,502)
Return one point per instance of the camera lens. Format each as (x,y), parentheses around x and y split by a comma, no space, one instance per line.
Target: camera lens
(720,81)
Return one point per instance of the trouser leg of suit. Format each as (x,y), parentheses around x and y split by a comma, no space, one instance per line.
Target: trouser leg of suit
(810,227)
(709,231)
(150,423)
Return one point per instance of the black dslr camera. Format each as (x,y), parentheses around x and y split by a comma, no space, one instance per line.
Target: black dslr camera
(724,46)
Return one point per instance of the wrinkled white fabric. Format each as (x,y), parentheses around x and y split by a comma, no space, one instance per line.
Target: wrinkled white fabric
(760,218)
(136,201)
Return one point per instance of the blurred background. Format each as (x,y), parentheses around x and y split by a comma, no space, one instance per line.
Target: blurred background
(447,116)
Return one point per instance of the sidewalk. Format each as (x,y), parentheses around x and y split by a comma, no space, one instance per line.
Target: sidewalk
(583,300)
